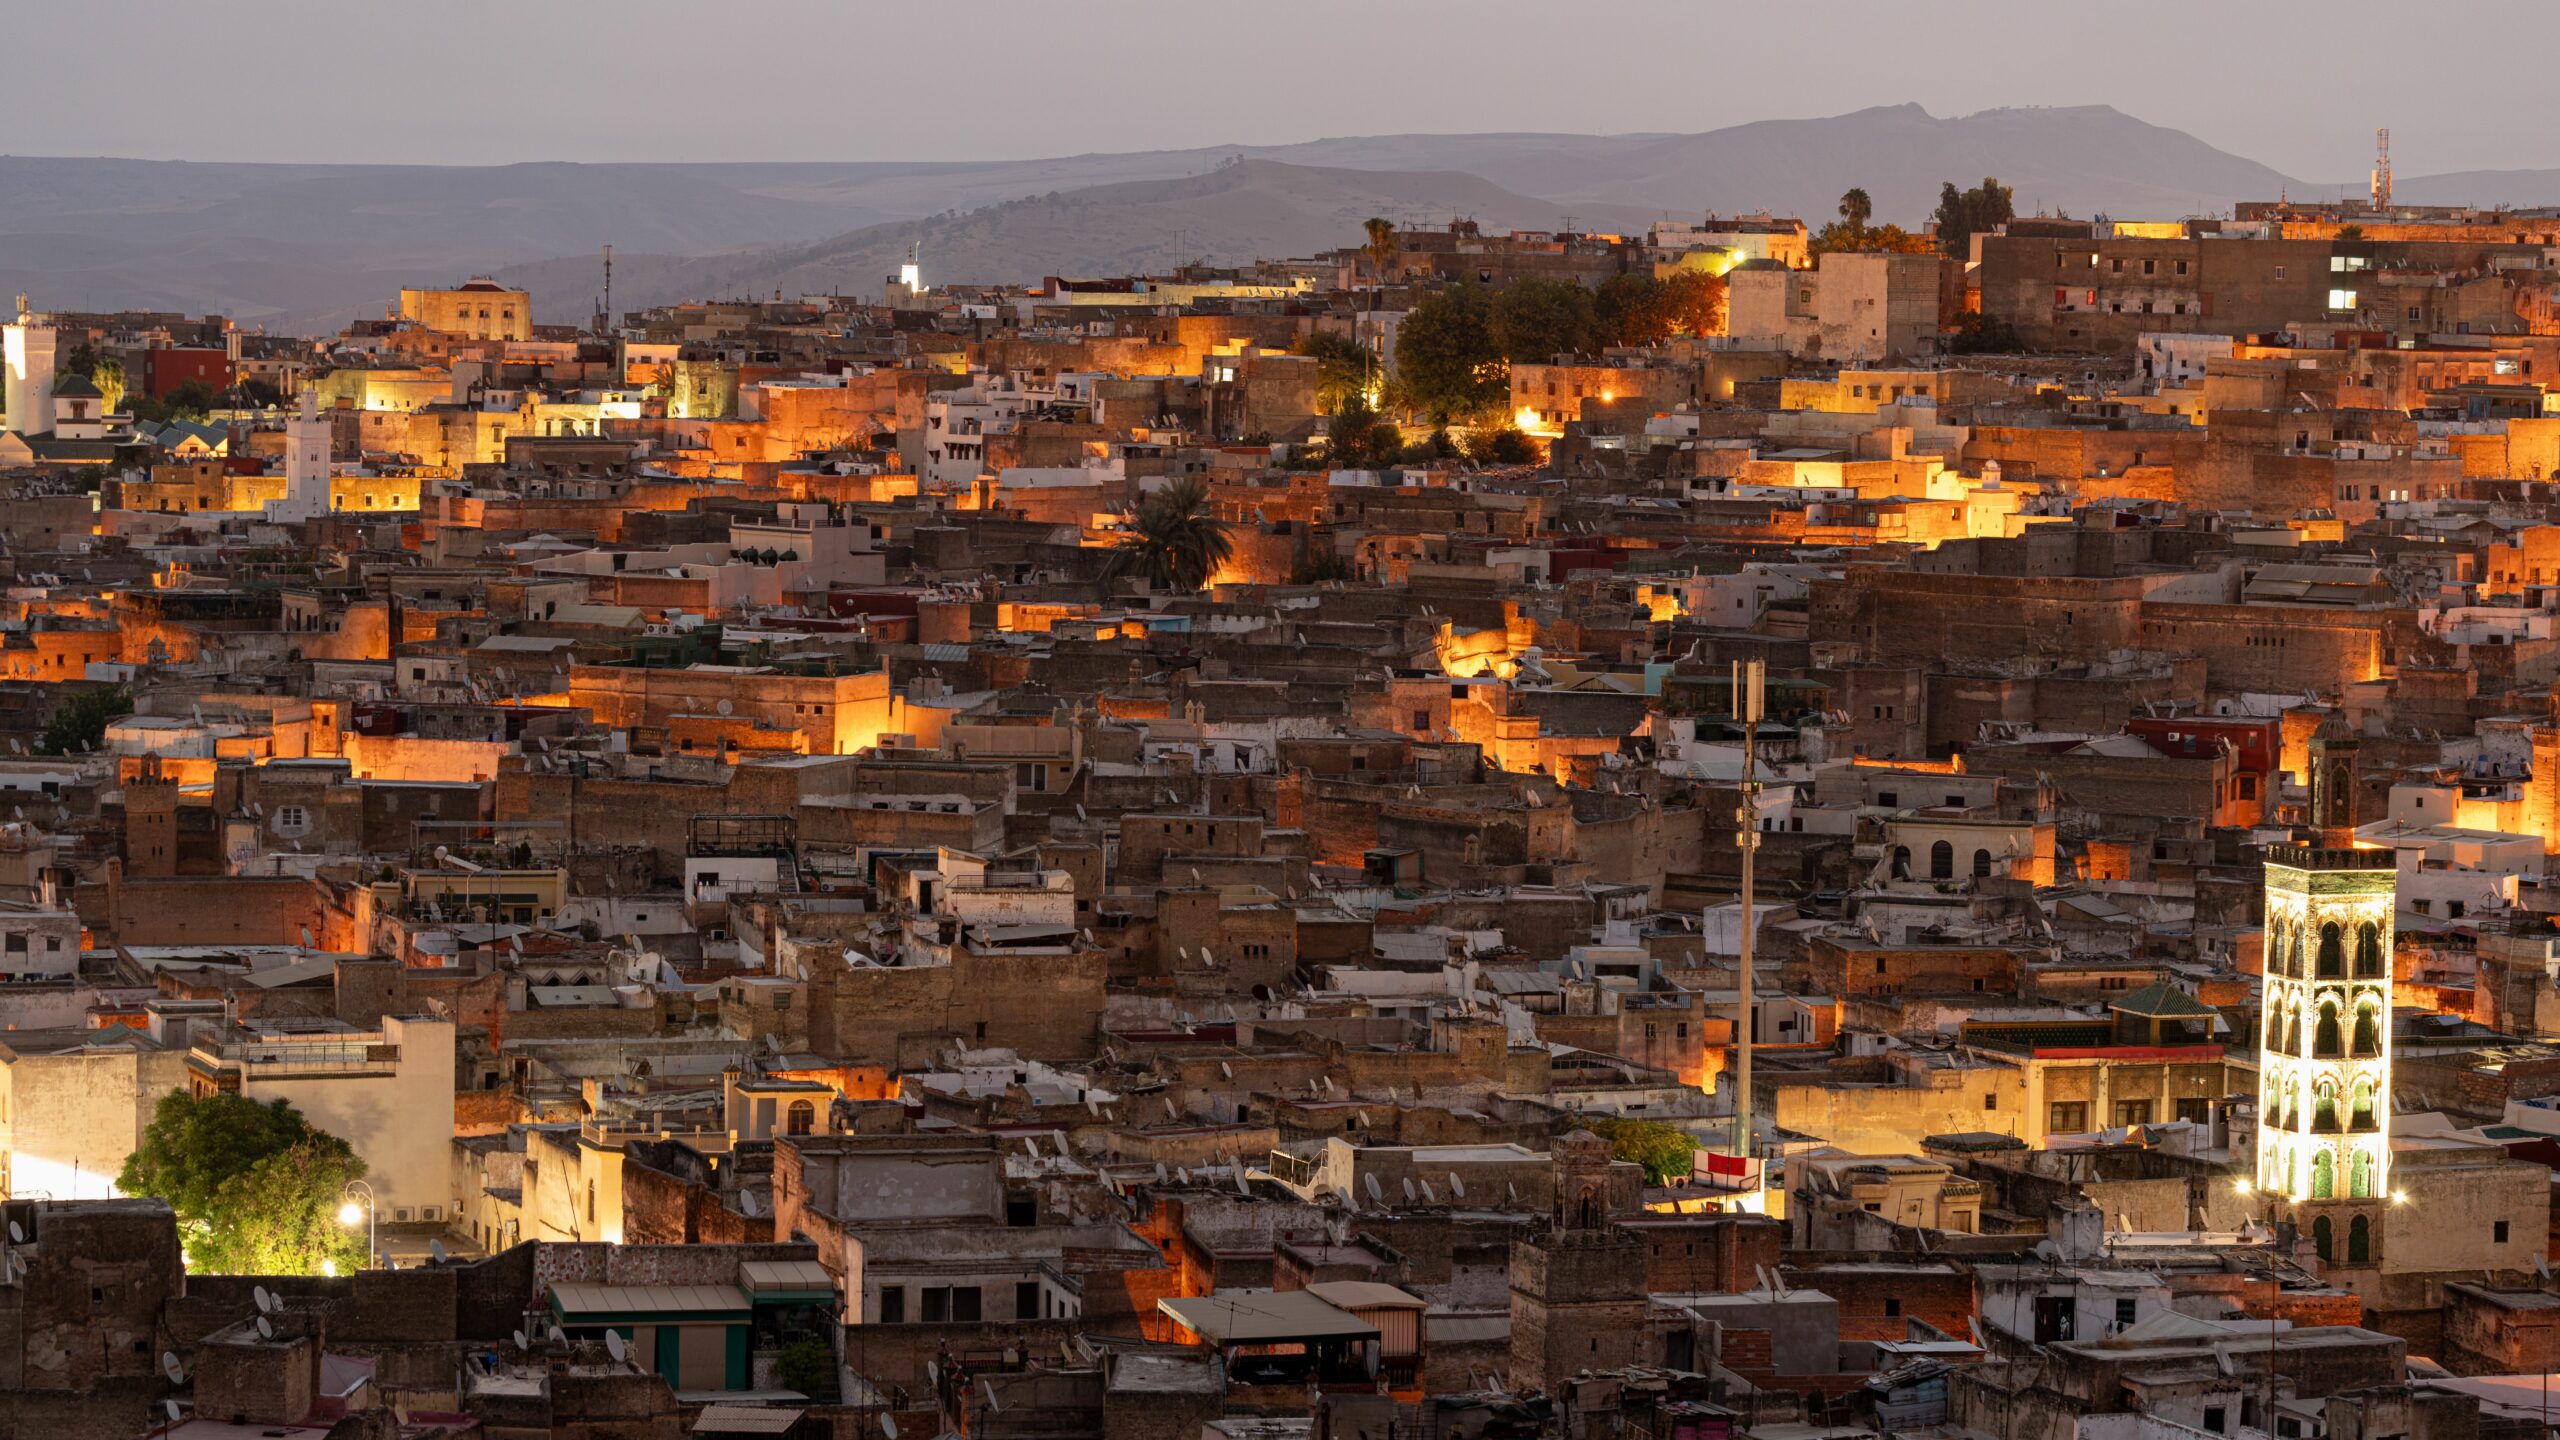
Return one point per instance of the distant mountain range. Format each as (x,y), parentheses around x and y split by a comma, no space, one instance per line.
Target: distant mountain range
(308,246)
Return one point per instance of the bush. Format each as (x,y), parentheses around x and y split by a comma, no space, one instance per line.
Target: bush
(806,1365)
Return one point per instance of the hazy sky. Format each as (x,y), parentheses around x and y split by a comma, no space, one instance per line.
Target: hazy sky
(2297,84)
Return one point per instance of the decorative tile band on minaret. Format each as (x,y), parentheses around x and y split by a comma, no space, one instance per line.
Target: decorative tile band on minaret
(2324,1067)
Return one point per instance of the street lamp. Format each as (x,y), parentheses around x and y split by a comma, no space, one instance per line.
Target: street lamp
(356,1203)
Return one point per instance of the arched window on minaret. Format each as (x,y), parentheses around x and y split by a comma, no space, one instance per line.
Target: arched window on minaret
(2293,1027)
(2324,1180)
(2324,1040)
(2359,1241)
(2333,954)
(2368,1039)
(2360,1114)
(2369,963)
(2324,1109)
(2293,950)
(2360,1177)
(2321,1234)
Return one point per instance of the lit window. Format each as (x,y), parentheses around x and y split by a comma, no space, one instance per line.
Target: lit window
(2342,299)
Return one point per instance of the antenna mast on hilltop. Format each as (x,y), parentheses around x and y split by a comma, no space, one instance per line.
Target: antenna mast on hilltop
(2381,169)
(604,307)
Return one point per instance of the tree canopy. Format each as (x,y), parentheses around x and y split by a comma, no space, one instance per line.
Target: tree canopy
(1852,237)
(108,376)
(79,724)
(1856,208)
(1359,438)
(1175,539)
(1665,1151)
(256,1187)
(1962,214)
(1447,362)
(1535,319)
(1640,309)
(1343,367)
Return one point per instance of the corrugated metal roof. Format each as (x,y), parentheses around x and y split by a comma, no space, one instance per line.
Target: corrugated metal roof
(744,1420)
(1264,1315)
(938,650)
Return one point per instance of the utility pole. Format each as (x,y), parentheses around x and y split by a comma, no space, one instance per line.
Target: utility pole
(1748,678)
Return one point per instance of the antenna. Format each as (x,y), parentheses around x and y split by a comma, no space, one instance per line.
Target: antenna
(2381,169)
(519,1339)
(613,1345)
(170,1367)
(171,1406)
(265,1330)
(265,1298)
(16,1235)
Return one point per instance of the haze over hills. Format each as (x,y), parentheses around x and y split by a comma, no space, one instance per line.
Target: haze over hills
(313,245)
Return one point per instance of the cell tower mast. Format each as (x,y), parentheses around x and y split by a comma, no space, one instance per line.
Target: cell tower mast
(2381,169)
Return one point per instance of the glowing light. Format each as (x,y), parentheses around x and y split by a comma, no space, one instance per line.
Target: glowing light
(329,1267)
(2399,1197)
(351,1214)
(2244,1187)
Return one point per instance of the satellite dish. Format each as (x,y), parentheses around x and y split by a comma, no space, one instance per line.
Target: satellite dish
(2048,1252)
(724,705)
(559,1336)
(889,1426)
(170,1367)
(613,1345)
(435,1249)
(171,1406)
(1374,1197)
(932,1373)
(1408,1189)
(1976,1327)
(16,1235)
(988,1387)
(519,1338)
(265,1330)
(1162,1174)
(1457,1187)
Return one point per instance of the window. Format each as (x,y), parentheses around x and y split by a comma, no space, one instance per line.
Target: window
(1026,1300)
(2124,1312)
(2133,1112)
(2068,1117)
(937,1304)
(1942,861)
(1991,1100)
(801,1119)
(2498,1231)
(2342,299)
(893,1304)
(1892,1306)
(2213,1414)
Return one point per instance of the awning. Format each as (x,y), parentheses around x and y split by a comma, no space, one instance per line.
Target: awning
(745,1420)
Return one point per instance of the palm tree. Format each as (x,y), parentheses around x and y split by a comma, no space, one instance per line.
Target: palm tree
(1381,246)
(109,378)
(1855,208)
(1173,539)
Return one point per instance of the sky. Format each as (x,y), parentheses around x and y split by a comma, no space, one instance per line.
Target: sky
(2296,84)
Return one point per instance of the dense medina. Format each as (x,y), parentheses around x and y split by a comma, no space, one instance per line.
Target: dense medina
(1902,827)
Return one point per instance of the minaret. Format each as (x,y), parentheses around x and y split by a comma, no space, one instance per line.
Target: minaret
(306,465)
(2324,1065)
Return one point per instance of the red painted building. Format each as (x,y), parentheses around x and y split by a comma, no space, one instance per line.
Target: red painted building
(165,369)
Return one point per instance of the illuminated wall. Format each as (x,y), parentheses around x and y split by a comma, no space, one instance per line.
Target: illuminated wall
(2324,1068)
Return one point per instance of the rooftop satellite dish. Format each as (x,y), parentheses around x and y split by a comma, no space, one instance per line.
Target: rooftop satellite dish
(170,1367)
(1226,1071)
(171,1406)
(889,1426)
(2048,1252)
(1976,1327)
(1408,1189)
(613,1345)
(1161,1172)
(559,1336)
(932,1373)
(1429,1195)
(724,705)
(988,1388)
(519,1339)
(435,1251)
(1375,1198)
(1457,1187)
(16,1235)
(265,1330)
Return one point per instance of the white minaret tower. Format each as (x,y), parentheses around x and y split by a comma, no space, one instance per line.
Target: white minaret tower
(26,367)
(306,466)
(2324,1067)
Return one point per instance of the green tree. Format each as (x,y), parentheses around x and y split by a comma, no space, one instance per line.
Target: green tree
(109,378)
(1632,308)
(189,400)
(1536,319)
(1446,361)
(281,1216)
(1174,539)
(1358,438)
(1962,214)
(1379,249)
(1846,238)
(1695,301)
(79,360)
(79,724)
(805,1365)
(1665,1151)
(256,1187)
(1501,445)
(1856,208)
(1344,367)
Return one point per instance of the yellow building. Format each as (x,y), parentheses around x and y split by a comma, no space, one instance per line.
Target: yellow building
(479,309)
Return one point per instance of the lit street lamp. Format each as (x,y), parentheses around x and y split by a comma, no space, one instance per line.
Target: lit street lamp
(357,1204)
